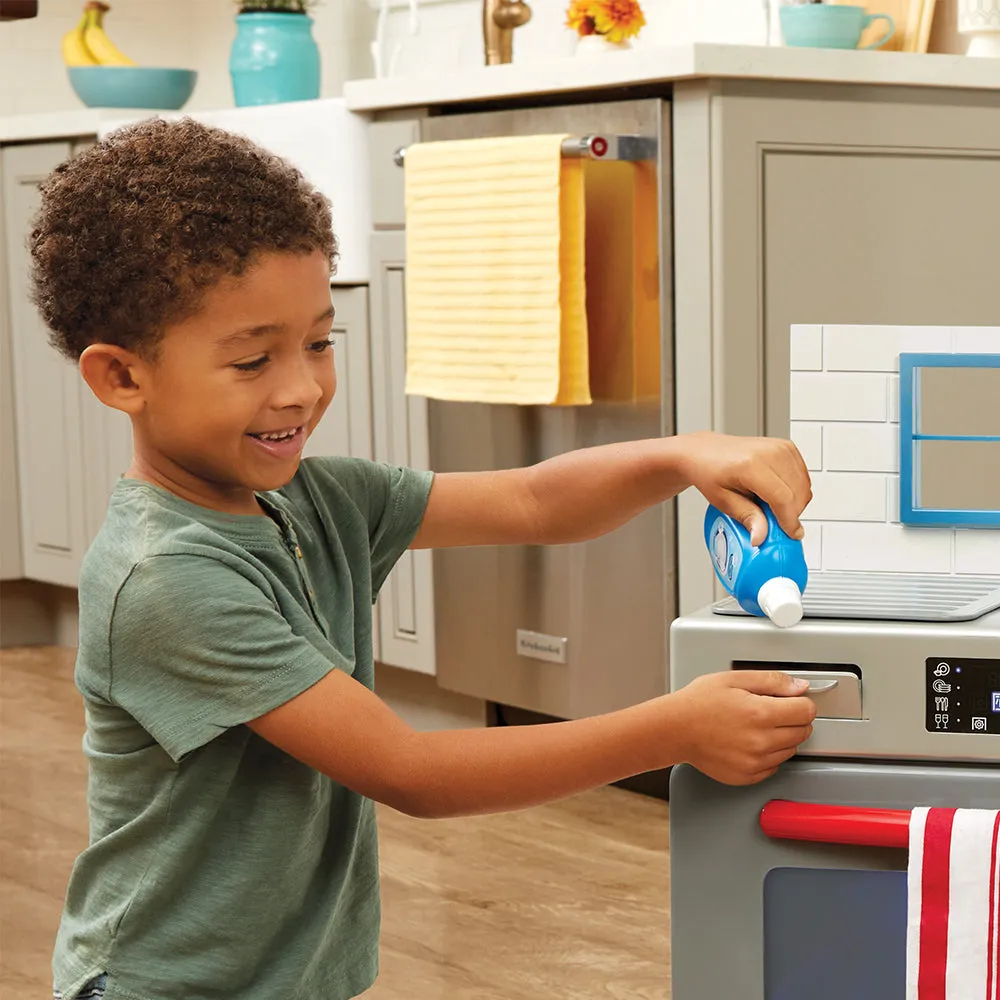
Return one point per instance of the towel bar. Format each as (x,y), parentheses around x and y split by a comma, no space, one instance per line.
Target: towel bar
(591,147)
(836,824)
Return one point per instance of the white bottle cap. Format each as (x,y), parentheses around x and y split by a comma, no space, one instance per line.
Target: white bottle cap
(781,600)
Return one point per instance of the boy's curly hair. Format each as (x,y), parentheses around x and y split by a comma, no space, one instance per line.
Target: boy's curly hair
(132,232)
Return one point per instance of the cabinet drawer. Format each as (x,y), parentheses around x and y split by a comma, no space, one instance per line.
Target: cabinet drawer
(388,209)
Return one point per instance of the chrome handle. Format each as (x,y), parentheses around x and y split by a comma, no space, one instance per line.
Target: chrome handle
(591,147)
(815,687)
(818,687)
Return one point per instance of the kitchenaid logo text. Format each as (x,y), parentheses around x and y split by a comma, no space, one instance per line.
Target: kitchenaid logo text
(541,647)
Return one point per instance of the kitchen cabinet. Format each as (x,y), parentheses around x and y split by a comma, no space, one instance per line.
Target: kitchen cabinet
(70,448)
(812,203)
(384,138)
(346,427)
(11,563)
(62,450)
(406,604)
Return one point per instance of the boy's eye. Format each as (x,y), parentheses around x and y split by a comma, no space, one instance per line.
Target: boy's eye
(320,346)
(252,366)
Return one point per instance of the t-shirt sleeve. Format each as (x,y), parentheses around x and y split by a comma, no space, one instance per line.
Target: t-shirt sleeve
(197,648)
(392,500)
(398,502)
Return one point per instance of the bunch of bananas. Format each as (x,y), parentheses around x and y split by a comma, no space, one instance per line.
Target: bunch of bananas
(88,45)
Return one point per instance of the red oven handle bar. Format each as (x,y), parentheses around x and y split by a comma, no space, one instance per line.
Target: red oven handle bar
(836,824)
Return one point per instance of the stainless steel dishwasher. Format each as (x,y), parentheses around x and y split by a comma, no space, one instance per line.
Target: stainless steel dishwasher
(576,629)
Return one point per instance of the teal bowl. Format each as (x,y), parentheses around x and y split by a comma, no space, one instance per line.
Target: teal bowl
(132,86)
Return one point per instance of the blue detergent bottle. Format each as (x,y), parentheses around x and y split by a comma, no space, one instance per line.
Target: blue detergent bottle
(767,580)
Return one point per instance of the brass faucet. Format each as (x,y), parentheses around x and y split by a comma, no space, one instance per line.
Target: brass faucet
(500,18)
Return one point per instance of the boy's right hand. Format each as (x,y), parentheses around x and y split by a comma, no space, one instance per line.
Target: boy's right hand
(737,727)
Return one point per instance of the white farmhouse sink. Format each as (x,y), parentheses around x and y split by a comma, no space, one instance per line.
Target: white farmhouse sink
(329,144)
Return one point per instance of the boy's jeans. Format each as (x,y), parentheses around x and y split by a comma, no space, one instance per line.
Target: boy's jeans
(94,990)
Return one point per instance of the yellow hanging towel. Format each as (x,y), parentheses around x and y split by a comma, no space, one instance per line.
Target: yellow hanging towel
(495,302)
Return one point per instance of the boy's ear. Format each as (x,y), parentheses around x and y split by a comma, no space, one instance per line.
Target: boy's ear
(114,376)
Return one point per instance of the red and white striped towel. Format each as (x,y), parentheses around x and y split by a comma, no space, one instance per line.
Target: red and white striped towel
(953,925)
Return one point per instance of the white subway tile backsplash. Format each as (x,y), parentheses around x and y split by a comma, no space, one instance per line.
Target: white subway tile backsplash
(824,396)
(808,438)
(845,421)
(807,348)
(877,348)
(975,340)
(812,546)
(977,551)
(893,547)
(894,398)
(861,448)
(847,496)
(929,339)
(892,498)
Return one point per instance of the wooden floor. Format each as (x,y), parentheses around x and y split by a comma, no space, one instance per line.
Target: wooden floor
(562,901)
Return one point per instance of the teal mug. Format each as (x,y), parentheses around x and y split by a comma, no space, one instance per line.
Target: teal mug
(829,26)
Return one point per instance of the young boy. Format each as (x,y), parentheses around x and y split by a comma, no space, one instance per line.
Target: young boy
(236,748)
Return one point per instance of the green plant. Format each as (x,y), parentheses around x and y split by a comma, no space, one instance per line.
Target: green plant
(276,6)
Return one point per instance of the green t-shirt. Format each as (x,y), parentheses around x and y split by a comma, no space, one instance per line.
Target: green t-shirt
(218,865)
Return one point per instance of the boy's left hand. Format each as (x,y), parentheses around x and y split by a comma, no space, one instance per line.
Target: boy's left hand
(729,470)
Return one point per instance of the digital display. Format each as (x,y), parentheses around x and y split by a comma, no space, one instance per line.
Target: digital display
(963,695)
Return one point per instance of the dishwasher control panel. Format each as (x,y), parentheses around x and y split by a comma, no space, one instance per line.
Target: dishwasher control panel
(963,695)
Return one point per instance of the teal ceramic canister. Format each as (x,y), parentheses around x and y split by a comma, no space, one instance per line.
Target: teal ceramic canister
(274,58)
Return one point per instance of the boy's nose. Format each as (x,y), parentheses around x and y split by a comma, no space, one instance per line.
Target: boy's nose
(300,389)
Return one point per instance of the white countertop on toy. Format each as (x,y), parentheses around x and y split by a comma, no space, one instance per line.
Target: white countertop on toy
(644,66)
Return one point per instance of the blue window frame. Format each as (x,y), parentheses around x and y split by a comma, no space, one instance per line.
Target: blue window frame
(911,436)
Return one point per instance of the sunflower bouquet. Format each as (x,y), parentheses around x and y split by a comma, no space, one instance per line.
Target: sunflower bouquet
(615,20)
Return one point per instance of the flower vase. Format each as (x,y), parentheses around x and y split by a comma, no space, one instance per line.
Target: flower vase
(274,58)
(980,19)
(599,45)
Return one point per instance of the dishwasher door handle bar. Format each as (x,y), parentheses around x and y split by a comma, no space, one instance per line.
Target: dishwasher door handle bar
(591,147)
(836,824)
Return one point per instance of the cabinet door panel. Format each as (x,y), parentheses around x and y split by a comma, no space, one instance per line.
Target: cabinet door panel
(400,425)
(11,563)
(46,389)
(346,427)
(107,442)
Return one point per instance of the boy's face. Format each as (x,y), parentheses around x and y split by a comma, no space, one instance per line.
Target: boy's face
(236,389)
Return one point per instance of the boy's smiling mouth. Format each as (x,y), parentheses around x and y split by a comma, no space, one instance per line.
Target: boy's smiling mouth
(280,444)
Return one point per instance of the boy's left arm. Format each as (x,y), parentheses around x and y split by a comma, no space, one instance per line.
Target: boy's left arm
(583,494)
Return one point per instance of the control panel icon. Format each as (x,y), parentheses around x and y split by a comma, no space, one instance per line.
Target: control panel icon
(979,723)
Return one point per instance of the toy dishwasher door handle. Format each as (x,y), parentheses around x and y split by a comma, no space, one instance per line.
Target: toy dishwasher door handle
(818,687)
(837,692)
(825,824)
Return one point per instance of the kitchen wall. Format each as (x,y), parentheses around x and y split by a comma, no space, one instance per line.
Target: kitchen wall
(450,34)
(845,421)
(194,34)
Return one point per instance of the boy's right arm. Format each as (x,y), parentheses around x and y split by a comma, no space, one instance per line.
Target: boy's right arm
(736,727)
